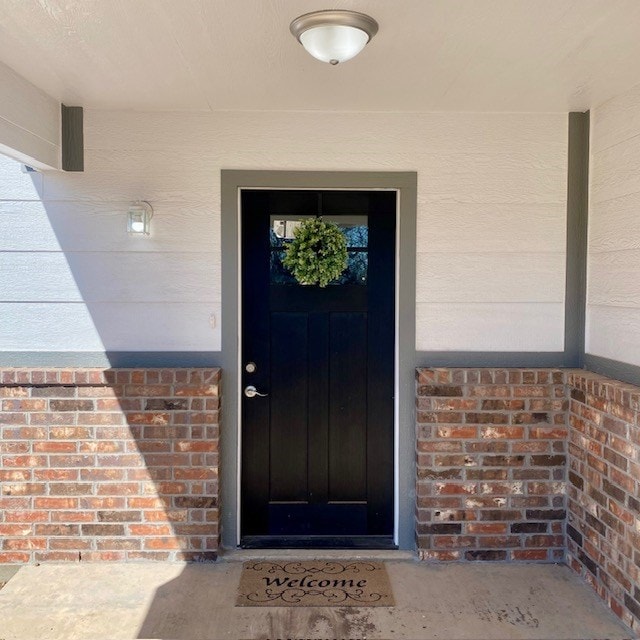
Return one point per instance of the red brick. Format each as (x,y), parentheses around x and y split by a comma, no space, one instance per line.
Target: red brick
(16,529)
(456,489)
(14,475)
(454,542)
(184,446)
(118,489)
(101,474)
(486,527)
(103,503)
(57,556)
(102,446)
(108,404)
(57,529)
(118,544)
(73,461)
(548,433)
(176,515)
(528,554)
(97,418)
(149,418)
(14,557)
(198,390)
(489,391)
(72,516)
(454,404)
(161,543)
(13,418)
(13,392)
(19,446)
(457,432)
(55,474)
(512,433)
(55,503)
(69,433)
(124,460)
(26,516)
(151,446)
(24,461)
(24,405)
(24,433)
(24,489)
(67,544)
(148,390)
(54,447)
(150,530)
(69,489)
(145,503)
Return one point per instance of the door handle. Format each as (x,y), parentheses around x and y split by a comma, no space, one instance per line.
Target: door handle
(251,392)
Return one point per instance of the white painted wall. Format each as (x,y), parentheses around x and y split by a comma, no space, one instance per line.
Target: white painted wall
(613,295)
(491,225)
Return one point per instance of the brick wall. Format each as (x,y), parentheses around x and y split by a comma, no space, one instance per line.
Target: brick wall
(491,464)
(109,465)
(603,491)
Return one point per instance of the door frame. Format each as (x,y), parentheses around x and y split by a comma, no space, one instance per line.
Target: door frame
(405,184)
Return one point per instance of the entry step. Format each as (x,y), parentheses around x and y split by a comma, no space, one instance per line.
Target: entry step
(244,555)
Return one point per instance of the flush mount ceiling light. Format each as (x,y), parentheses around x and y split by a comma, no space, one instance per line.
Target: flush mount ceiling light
(334,36)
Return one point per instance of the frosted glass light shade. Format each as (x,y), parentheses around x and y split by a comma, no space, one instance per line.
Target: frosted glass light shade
(334,36)
(334,43)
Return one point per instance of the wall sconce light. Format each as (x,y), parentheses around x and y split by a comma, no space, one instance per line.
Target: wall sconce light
(139,218)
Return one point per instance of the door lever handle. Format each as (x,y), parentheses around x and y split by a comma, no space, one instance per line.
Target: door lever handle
(251,392)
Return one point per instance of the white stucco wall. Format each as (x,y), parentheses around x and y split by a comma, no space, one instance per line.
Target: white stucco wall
(613,289)
(491,225)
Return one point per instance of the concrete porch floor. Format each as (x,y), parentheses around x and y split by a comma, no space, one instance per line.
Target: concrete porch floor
(189,602)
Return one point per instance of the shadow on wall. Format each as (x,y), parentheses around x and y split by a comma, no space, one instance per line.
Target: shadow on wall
(82,285)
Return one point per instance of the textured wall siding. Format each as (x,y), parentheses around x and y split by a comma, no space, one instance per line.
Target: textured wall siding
(491,464)
(613,297)
(119,464)
(603,531)
(29,120)
(491,225)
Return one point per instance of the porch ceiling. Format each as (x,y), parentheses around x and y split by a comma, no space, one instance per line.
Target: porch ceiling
(467,55)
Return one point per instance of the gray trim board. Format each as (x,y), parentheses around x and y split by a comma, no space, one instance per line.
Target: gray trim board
(463,359)
(406,182)
(72,138)
(613,369)
(577,223)
(110,359)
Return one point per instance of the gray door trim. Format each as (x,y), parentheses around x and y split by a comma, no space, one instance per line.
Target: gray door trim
(232,181)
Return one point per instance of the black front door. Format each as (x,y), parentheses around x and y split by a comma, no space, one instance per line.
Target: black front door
(318,448)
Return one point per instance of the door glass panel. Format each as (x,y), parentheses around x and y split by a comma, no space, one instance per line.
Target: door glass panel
(355,230)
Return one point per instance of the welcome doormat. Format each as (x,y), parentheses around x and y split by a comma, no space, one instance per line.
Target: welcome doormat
(314,583)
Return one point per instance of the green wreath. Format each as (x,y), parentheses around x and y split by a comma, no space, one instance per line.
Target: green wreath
(317,254)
